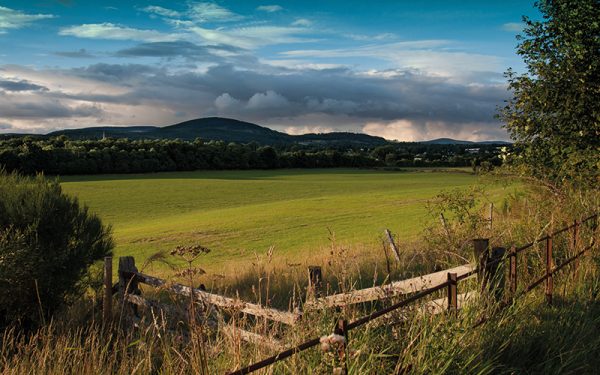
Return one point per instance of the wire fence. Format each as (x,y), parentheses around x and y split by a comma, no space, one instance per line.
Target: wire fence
(486,264)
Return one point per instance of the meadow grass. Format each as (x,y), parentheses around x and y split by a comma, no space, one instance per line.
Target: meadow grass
(526,337)
(241,214)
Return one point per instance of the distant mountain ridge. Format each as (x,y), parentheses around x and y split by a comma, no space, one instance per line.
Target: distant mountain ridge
(231,130)
(450,141)
(223,129)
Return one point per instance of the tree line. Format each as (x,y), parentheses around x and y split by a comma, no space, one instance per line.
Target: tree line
(63,156)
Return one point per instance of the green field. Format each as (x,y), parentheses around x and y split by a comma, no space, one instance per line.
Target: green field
(237,213)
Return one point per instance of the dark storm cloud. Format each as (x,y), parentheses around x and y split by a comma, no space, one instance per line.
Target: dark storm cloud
(120,73)
(44,109)
(21,85)
(402,95)
(81,54)
(178,49)
(392,102)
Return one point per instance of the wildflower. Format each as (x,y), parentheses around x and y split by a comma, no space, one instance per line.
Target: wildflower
(332,340)
(193,250)
(190,272)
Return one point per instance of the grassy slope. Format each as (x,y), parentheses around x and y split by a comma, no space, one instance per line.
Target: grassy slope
(238,212)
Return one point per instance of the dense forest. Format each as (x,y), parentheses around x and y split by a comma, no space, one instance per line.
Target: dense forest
(61,155)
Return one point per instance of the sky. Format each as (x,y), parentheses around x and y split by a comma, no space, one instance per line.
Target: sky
(405,70)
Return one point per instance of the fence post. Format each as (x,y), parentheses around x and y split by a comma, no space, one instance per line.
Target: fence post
(549,278)
(452,292)
(107,301)
(495,279)
(576,243)
(512,271)
(342,330)
(480,249)
(127,284)
(444,225)
(393,244)
(315,282)
(491,216)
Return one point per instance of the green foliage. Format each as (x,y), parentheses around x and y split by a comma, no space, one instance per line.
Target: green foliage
(59,155)
(47,243)
(555,113)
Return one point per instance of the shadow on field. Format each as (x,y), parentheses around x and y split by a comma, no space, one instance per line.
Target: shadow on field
(255,174)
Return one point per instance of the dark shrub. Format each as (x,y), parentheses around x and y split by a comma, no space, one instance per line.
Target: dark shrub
(47,243)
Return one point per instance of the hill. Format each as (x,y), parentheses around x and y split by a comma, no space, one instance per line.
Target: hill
(231,130)
(223,129)
(450,141)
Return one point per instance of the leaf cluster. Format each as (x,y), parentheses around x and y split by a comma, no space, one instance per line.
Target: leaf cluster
(554,114)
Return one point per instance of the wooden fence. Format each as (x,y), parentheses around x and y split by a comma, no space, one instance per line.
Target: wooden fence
(415,289)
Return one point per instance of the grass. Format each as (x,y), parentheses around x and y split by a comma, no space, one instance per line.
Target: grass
(527,337)
(240,213)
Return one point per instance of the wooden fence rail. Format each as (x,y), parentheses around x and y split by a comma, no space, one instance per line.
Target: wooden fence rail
(414,289)
(215,299)
(394,289)
(451,283)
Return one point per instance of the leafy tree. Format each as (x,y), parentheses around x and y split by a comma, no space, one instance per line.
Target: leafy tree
(554,116)
(47,243)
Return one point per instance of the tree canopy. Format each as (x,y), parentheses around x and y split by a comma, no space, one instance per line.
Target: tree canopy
(554,115)
(47,243)
(62,156)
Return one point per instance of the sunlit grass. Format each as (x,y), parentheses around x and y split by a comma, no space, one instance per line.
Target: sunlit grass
(238,213)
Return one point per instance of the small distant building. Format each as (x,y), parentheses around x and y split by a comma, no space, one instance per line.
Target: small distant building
(472,150)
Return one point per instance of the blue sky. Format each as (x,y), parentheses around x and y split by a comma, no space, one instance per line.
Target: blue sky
(406,70)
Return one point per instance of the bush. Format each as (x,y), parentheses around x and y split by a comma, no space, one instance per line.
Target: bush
(47,243)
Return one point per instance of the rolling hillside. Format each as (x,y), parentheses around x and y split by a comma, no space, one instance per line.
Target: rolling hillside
(224,129)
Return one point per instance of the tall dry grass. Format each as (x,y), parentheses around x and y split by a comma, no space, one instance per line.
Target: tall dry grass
(526,337)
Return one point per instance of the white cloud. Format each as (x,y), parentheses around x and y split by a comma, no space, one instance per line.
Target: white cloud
(116,32)
(211,12)
(414,130)
(400,129)
(376,37)
(14,19)
(298,130)
(514,27)
(162,11)
(225,101)
(252,37)
(434,57)
(270,8)
(267,100)
(301,64)
(302,22)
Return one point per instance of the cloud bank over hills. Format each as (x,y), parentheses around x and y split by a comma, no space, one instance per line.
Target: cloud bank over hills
(267,64)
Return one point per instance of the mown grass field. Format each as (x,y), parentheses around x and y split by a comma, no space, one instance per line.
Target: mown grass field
(238,213)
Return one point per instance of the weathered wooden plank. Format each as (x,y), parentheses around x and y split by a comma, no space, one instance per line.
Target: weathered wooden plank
(434,307)
(252,337)
(440,305)
(222,301)
(393,244)
(396,288)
